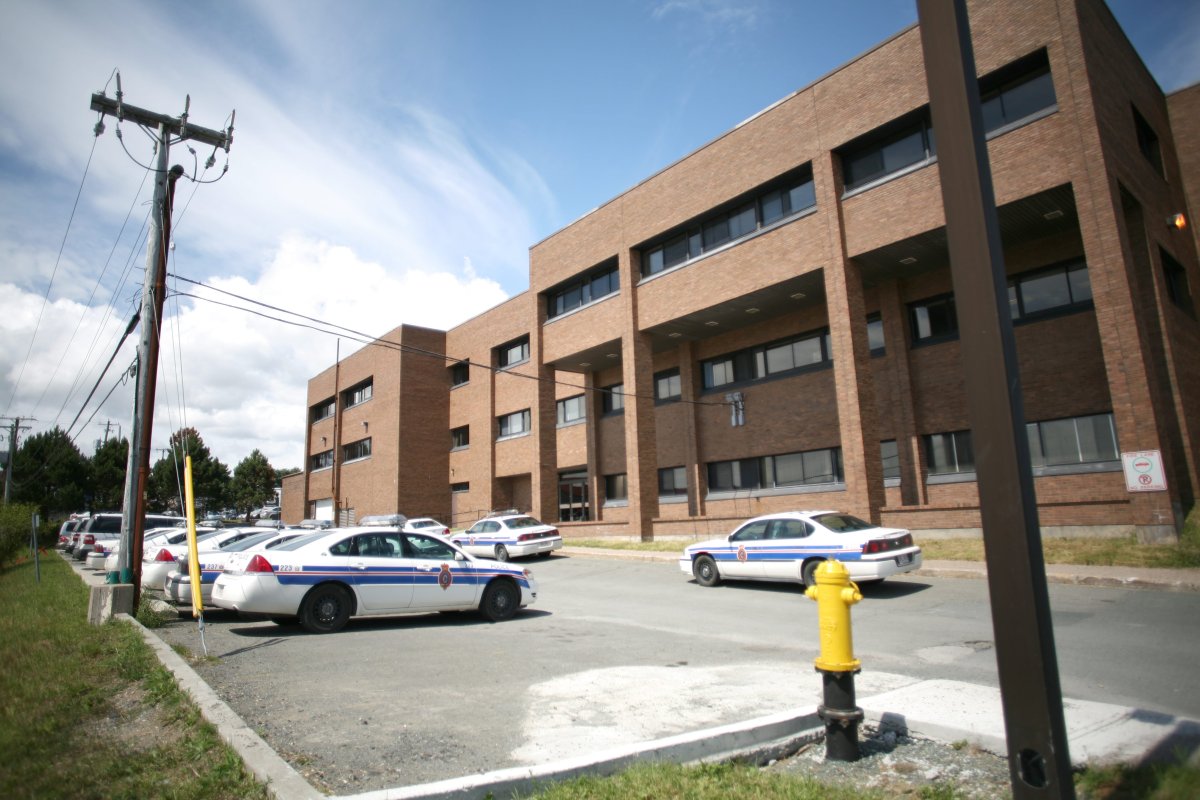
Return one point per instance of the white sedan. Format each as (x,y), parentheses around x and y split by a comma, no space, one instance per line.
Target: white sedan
(791,545)
(509,536)
(368,571)
(160,561)
(178,584)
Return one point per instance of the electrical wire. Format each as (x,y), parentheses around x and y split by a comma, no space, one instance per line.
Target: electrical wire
(128,329)
(367,339)
(57,261)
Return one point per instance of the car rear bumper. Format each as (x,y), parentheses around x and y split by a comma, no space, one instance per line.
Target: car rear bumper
(880,568)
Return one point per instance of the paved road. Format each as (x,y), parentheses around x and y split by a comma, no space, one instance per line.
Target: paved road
(621,651)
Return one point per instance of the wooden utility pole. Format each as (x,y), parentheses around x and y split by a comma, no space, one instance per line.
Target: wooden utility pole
(153,294)
(14,433)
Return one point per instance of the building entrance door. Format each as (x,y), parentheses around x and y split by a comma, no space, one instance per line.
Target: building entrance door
(573,497)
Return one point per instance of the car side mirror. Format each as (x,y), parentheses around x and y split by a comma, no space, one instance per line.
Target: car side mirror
(460,556)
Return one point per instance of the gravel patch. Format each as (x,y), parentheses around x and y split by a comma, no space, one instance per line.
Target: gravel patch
(897,764)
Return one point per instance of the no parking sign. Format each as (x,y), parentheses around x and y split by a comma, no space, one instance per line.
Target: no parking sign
(1143,471)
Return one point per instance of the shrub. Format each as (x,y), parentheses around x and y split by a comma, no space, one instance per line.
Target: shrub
(15,520)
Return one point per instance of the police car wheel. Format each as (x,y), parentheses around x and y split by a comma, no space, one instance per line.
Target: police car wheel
(500,601)
(325,609)
(501,553)
(705,570)
(809,573)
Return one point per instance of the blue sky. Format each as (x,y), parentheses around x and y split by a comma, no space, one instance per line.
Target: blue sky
(392,162)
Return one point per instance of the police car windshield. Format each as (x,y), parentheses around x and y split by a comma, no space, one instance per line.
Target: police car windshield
(522,522)
(248,542)
(843,523)
(302,540)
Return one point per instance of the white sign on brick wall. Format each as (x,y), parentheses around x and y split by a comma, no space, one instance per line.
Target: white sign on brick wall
(1144,472)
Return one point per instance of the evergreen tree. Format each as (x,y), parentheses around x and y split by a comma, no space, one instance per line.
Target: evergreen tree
(51,473)
(253,482)
(210,477)
(108,474)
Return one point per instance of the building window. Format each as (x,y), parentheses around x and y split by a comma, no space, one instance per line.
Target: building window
(1076,440)
(320,461)
(933,320)
(890,454)
(460,438)
(613,399)
(672,482)
(810,468)
(357,394)
(895,147)
(616,487)
(592,286)
(571,410)
(769,204)
(769,360)
(1147,141)
(1017,93)
(875,334)
(513,353)
(323,410)
(513,424)
(356,450)
(1059,289)
(1177,283)
(667,386)
(949,453)
(460,374)
(459,488)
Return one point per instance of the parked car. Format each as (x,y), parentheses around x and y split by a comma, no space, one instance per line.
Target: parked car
(152,539)
(368,571)
(789,546)
(426,525)
(178,584)
(509,535)
(106,523)
(68,529)
(160,561)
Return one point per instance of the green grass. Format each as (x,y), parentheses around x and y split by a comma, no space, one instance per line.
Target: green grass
(1120,552)
(89,712)
(706,782)
(1155,782)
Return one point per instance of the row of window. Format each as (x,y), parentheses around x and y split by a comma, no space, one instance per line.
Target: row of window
(791,195)
(359,393)
(1012,95)
(770,360)
(1073,441)
(587,288)
(350,452)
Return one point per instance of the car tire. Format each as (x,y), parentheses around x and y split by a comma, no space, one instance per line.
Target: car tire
(706,572)
(325,609)
(501,600)
(809,572)
(501,553)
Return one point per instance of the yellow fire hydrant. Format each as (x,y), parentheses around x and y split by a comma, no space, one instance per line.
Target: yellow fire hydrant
(835,593)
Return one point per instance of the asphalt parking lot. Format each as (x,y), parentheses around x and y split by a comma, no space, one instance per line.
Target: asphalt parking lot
(618,651)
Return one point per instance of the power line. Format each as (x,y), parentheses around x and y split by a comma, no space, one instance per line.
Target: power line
(369,340)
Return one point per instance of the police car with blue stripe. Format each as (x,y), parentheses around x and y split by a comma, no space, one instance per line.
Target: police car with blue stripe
(509,534)
(368,571)
(789,546)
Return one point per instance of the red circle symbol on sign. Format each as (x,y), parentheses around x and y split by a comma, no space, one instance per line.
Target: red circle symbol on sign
(1144,480)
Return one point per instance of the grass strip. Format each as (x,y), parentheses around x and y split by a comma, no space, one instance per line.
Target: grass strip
(89,712)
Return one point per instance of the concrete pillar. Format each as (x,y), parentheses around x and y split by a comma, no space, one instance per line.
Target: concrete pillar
(641,447)
(906,426)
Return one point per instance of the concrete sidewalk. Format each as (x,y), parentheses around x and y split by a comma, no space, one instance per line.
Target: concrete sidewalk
(1177,580)
(945,711)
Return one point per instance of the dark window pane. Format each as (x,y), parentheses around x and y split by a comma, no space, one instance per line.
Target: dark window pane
(772,207)
(1045,291)
(675,252)
(1081,284)
(716,233)
(875,334)
(802,197)
(742,222)
(890,454)
(653,261)
(1027,98)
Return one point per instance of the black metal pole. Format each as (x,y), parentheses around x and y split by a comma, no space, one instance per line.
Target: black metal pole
(1039,764)
(841,715)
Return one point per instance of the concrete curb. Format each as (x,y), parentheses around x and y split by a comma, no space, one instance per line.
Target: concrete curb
(757,740)
(281,779)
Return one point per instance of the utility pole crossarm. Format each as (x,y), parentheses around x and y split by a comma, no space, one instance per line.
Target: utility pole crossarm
(176,126)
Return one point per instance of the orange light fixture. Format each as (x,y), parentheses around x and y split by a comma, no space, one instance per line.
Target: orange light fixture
(1177,221)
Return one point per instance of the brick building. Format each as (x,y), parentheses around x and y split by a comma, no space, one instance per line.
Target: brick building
(769,323)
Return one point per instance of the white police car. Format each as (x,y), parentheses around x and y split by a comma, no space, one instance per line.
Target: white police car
(368,571)
(509,535)
(789,546)
(177,586)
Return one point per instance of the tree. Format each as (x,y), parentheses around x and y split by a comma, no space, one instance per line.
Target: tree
(108,474)
(51,473)
(253,482)
(210,477)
